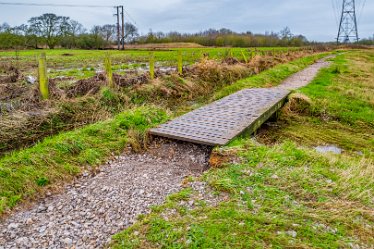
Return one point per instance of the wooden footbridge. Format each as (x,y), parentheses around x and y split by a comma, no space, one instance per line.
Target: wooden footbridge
(219,122)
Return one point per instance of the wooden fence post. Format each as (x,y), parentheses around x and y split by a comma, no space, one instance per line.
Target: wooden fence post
(108,69)
(231,54)
(43,78)
(152,65)
(244,57)
(180,62)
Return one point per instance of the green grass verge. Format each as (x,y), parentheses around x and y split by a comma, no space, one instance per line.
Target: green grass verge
(347,95)
(341,107)
(25,174)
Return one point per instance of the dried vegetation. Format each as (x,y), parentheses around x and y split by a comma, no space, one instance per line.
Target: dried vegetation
(25,118)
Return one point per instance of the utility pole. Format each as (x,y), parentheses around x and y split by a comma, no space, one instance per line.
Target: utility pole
(118,29)
(123,29)
(348,23)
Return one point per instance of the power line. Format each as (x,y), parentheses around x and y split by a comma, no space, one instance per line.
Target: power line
(361,11)
(335,10)
(56,5)
(67,5)
(130,17)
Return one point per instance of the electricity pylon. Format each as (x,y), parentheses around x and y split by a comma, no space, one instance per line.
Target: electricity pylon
(348,31)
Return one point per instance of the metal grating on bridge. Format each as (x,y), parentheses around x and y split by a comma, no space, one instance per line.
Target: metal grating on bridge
(221,121)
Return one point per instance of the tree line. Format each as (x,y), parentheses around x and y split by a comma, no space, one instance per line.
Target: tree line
(50,30)
(227,37)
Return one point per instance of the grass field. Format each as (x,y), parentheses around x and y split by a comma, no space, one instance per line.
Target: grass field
(275,190)
(84,63)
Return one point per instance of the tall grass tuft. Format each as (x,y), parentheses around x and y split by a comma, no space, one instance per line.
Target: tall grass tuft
(252,54)
(152,65)
(43,78)
(108,69)
(180,62)
(244,57)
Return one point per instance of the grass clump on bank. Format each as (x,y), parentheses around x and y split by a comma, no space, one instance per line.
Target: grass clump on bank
(24,174)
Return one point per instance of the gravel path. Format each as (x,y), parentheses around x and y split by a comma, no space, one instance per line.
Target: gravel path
(304,77)
(96,207)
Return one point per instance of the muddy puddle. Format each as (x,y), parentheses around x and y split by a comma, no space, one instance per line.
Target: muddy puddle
(329,149)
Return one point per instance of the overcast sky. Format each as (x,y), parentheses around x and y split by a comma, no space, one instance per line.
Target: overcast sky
(315,18)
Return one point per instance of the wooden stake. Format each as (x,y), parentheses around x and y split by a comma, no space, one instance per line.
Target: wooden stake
(43,78)
(108,69)
(244,57)
(152,65)
(180,62)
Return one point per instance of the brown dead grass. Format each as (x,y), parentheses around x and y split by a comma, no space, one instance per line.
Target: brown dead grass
(352,214)
(86,86)
(220,73)
(297,104)
(23,128)
(75,103)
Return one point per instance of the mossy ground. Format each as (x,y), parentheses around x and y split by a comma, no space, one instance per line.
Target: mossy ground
(281,193)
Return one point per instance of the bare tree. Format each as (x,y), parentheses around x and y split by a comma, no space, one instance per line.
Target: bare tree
(21,30)
(51,27)
(286,34)
(96,35)
(108,32)
(5,27)
(75,29)
(131,31)
(33,36)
